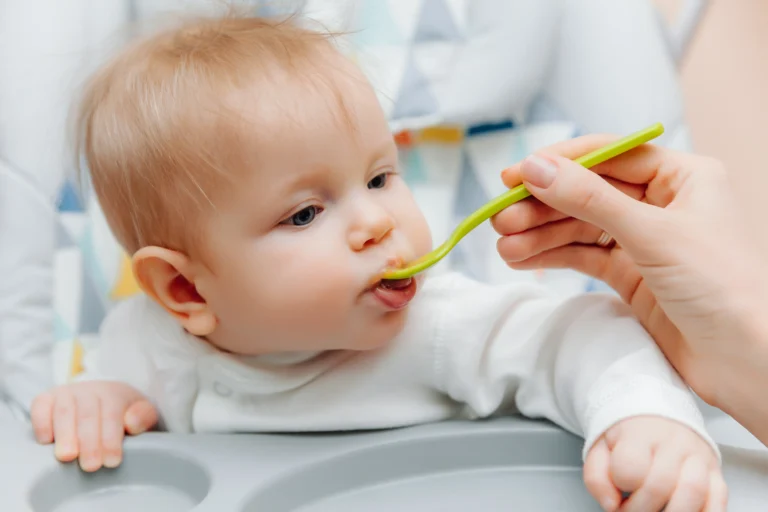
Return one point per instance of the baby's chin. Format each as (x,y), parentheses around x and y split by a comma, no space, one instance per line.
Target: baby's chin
(381,331)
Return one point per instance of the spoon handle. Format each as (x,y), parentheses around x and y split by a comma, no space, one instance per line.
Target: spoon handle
(519,192)
(514,195)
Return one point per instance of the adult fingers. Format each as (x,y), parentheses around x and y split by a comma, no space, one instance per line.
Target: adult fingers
(574,190)
(550,236)
(532,213)
(571,149)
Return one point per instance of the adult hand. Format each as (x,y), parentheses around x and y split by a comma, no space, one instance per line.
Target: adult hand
(683,260)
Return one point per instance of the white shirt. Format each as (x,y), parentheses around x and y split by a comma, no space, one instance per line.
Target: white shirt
(468,350)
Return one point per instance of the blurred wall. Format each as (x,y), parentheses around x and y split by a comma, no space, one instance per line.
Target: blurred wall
(725,82)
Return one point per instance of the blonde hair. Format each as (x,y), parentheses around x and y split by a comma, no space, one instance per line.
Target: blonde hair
(152,122)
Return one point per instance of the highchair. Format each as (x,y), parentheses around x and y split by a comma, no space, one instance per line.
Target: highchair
(566,80)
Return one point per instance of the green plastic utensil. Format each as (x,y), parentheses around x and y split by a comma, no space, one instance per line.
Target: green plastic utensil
(514,195)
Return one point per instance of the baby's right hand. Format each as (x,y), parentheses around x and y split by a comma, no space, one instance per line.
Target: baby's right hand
(89,420)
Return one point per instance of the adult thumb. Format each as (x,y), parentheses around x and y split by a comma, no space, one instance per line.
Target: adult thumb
(576,191)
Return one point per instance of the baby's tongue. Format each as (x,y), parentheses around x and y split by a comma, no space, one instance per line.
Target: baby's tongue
(396,284)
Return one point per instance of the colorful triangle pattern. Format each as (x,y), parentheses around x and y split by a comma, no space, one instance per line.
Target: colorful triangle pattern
(436,23)
(61,331)
(470,195)
(126,284)
(414,99)
(92,306)
(69,200)
(63,238)
(413,165)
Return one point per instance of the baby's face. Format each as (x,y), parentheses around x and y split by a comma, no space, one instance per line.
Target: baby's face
(296,248)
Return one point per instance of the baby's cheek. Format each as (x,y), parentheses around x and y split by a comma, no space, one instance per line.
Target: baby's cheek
(311,298)
(419,234)
(412,221)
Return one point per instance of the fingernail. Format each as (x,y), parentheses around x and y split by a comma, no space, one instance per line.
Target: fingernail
(87,465)
(539,171)
(135,424)
(111,461)
(608,504)
(64,452)
(132,424)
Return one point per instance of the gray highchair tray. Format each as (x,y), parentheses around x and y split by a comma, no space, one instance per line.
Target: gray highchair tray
(506,464)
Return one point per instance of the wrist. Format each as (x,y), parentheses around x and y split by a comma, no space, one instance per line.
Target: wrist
(640,395)
(751,334)
(742,375)
(755,343)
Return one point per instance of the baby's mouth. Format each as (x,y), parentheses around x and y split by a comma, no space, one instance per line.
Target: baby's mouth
(395,293)
(395,284)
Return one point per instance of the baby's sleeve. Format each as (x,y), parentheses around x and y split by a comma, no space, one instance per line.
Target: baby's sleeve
(119,354)
(584,362)
(141,347)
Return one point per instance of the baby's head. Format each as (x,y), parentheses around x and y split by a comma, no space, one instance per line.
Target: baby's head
(249,170)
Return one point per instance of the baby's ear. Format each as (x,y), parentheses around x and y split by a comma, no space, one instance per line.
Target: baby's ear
(169,277)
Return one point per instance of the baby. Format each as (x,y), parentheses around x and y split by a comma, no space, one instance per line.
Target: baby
(249,170)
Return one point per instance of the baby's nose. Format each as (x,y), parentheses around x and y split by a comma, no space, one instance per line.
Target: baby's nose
(370,228)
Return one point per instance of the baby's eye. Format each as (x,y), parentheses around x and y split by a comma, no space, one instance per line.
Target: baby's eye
(303,216)
(379,181)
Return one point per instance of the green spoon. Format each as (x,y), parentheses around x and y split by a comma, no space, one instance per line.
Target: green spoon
(514,195)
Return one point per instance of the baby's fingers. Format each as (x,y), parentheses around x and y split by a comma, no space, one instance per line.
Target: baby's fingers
(597,477)
(658,484)
(140,417)
(718,493)
(65,426)
(41,414)
(89,431)
(630,464)
(112,432)
(692,488)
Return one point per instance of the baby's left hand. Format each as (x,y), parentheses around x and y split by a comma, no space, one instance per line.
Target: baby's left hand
(662,463)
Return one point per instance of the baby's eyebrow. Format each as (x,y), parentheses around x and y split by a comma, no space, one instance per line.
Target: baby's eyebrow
(318,176)
(308,177)
(381,151)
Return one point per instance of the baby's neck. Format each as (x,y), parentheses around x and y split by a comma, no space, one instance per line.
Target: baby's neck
(284,358)
(241,348)
(271,358)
